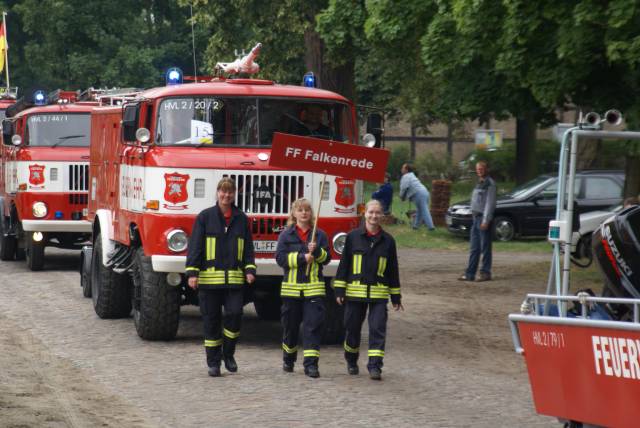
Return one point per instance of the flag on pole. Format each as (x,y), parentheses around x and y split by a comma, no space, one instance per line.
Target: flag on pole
(3,46)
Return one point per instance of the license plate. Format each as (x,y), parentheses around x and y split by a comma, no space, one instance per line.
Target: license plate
(265,246)
(447,219)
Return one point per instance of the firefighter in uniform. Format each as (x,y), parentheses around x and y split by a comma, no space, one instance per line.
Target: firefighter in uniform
(219,261)
(303,289)
(367,276)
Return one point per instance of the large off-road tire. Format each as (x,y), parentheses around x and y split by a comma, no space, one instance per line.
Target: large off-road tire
(334,322)
(268,307)
(34,254)
(504,229)
(110,292)
(7,243)
(156,304)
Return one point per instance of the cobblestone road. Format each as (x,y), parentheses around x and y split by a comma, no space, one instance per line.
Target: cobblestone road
(449,359)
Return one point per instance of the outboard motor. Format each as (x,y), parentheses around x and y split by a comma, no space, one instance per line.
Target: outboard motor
(616,249)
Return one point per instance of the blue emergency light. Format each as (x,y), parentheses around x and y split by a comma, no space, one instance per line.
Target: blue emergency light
(174,76)
(309,80)
(59,214)
(40,98)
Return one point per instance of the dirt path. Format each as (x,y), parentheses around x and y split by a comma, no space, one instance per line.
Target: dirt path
(449,359)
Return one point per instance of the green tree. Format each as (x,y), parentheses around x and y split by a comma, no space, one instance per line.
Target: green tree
(75,44)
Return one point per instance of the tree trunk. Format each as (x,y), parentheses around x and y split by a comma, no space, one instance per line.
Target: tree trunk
(525,147)
(412,143)
(632,180)
(450,140)
(339,79)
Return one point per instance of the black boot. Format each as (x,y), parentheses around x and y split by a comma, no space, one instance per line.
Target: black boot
(214,371)
(287,366)
(312,371)
(230,364)
(352,368)
(375,373)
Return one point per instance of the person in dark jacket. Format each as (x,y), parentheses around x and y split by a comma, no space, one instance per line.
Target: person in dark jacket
(483,205)
(303,292)
(367,276)
(384,194)
(220,260)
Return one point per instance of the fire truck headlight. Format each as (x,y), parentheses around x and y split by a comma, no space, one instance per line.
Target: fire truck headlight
(369,140)
(143,135)
(177,240)
(338,242)
(39,209)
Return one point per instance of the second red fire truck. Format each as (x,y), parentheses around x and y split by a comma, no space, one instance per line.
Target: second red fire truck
(154,165)
(45,165)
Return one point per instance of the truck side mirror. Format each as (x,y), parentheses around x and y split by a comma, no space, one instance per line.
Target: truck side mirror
(130,120)
(375,128)
(7,132)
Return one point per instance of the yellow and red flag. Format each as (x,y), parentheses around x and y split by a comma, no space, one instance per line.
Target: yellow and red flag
(3,46)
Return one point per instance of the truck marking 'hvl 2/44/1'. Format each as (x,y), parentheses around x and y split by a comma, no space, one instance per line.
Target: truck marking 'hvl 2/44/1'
(45,167)
(155,162)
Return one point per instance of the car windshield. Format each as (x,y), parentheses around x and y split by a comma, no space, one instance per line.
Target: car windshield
(248,121)
(526,188)
(66,129)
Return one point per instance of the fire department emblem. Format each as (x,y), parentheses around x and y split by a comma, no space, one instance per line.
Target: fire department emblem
(345,195)
(36,175)
(175,190)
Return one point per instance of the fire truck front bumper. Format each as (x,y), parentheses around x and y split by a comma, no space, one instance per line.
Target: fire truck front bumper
(267,267)
(77,226)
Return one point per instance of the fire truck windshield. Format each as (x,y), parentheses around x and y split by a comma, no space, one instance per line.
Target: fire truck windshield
(58,129)
(245,121)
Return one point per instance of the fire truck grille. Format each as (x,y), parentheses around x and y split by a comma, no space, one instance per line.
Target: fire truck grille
(267,194)
(78,199)
(79,178)
(268,226)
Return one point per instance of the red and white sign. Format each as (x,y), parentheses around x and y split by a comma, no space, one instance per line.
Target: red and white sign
(36,175)
(584,373)
(294,152)
(175,190)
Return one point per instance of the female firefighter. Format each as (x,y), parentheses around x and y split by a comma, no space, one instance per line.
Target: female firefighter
(367,276)
(302,289)
(219,261)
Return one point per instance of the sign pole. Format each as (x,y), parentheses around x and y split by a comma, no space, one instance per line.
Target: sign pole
(6,48)
(315,223)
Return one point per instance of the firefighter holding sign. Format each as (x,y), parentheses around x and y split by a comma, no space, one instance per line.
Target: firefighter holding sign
(220,259)
(367,276)
(302,290)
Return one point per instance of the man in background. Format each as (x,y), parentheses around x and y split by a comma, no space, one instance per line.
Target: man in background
(483,205)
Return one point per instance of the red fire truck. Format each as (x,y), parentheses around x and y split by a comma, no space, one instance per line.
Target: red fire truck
(45,165)
(154,165)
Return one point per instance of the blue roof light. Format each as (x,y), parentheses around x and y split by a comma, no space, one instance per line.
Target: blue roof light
(309,80)
(174,76)
(40,98)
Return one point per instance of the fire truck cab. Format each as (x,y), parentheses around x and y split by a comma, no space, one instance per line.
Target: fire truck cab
(45,165)
(154,165)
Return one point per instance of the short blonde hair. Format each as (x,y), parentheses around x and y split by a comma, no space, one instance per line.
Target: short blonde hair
(226,184)
(299,203)
(373,202)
